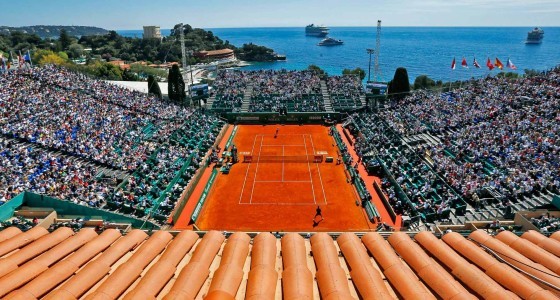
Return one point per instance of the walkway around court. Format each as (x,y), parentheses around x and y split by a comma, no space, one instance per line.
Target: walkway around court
(369,180)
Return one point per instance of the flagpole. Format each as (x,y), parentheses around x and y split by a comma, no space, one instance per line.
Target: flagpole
(29,55)
(450,78)
(471,72)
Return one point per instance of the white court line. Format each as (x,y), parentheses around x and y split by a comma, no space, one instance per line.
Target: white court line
(247,173)
(319,170)
(284,134)
(282,145)
(256,170)
(277,181)
(309,168)
(279,203)
(282,164)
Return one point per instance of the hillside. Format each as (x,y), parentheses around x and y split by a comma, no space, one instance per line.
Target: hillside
(50,31)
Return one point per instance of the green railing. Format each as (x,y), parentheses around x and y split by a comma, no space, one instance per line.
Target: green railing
(198,208)
(67,208)
(273,117)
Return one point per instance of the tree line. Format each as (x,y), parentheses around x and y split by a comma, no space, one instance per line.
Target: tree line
(99,49)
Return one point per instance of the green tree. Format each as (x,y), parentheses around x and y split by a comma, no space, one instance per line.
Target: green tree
(176,85)
(399,87)
(128,75)
(153,87)
(39,54)
(316,69)
(357,71)
(63,55)
(252,52)
(531,72)
(52,59)
(76,50)
(510,75)
(106,71)
(145,71)
(423,82)
(64,39)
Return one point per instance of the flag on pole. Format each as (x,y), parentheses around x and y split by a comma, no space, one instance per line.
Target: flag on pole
(475,64)
(464,63)
(10,60)
(453,64)
(27,58)
(489,64)
(20,59)
(499,64)
(511,65)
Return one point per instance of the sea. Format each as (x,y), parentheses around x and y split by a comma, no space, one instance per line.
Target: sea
(421,50)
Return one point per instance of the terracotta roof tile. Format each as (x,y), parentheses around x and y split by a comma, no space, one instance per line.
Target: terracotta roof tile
(64,265)
(548,244)
(20,240)
(9,233)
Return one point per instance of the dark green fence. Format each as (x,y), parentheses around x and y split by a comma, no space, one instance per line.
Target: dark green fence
(273,118)
(68,208)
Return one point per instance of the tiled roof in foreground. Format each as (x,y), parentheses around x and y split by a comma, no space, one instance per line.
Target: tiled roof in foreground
(84,265)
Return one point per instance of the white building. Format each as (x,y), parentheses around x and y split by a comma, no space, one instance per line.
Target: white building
(152,32)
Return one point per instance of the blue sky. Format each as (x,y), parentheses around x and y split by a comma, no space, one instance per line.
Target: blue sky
(128,14)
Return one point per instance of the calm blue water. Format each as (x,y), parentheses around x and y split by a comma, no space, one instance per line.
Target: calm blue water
(421,50)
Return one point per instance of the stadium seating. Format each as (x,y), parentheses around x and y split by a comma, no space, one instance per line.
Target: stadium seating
(62,131)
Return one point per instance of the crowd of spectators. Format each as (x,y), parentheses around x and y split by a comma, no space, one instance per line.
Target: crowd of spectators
(345,91)
(154,178)
(415,188)
(23,168)
(496,134)
(86,118)
(229,89)
(272,90)
(546,223)
(298,91)
(59,127)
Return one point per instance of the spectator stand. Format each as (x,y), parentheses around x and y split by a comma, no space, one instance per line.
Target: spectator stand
(346,92)
(397,156)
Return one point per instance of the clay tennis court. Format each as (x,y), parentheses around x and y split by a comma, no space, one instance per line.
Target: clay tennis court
(280,185)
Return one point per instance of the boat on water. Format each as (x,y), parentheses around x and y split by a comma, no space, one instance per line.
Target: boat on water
(330,42)
(535,36)
(316,30)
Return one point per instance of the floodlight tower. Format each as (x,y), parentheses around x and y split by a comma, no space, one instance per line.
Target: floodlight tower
(377,72)
(184,55)
(370,52)
(183,50)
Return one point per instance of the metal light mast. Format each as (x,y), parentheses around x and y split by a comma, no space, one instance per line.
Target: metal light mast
(184,55)
(377,47)
(183,50)
(370,52)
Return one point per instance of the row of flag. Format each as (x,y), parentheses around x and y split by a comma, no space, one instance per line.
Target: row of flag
(6,63)
(497,64)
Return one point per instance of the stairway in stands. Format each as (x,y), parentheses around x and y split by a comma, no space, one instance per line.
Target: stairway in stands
(363,100)
(247,99)
(210,102)
(326,97)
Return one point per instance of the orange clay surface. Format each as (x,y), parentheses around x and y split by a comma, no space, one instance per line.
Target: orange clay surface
(282,196)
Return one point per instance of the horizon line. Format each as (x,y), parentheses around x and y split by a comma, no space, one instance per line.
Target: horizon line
(343,26)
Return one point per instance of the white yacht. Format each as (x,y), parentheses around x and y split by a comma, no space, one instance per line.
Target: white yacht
(535,36)
(316,30)
(330,42)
